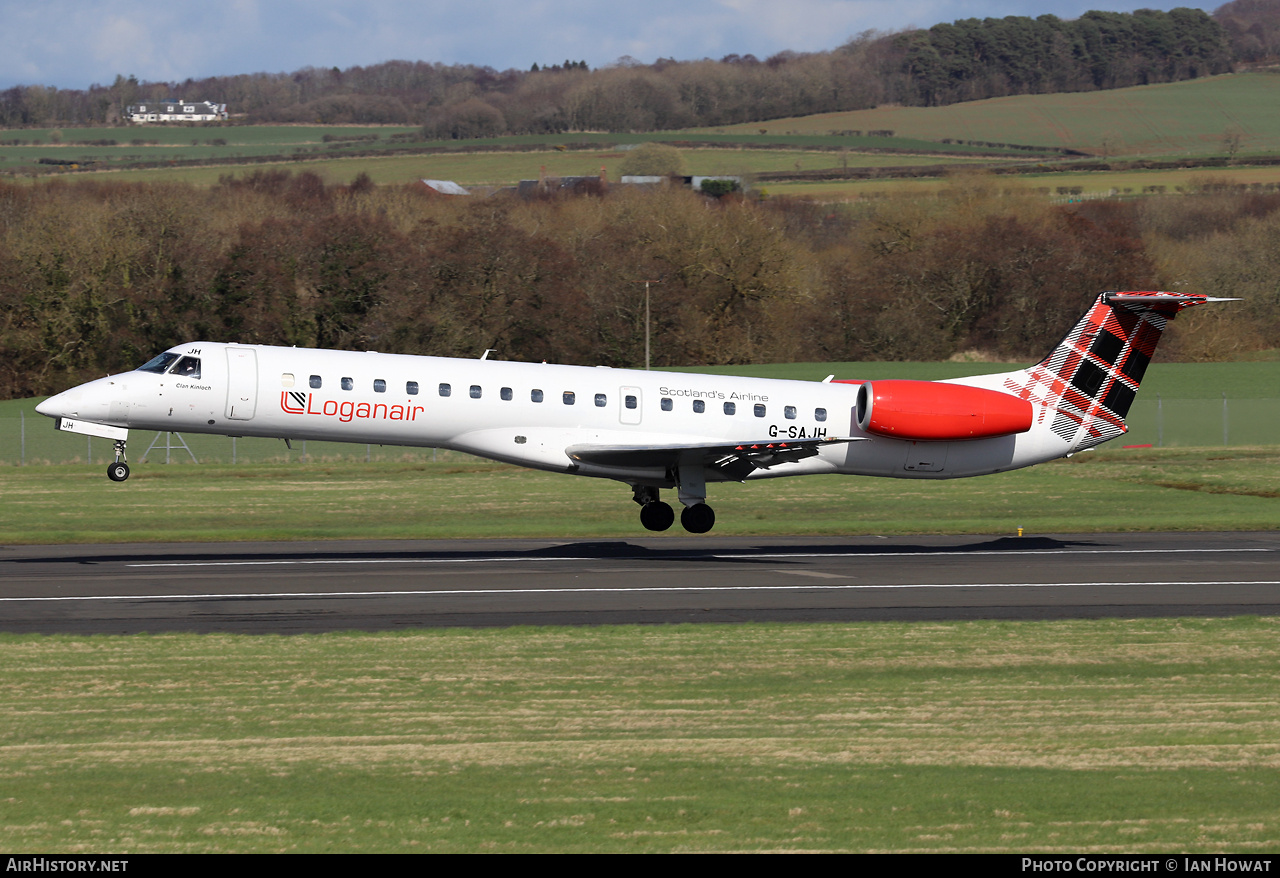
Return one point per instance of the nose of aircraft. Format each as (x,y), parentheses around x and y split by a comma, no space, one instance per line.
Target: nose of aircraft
(88,402)
(59,405)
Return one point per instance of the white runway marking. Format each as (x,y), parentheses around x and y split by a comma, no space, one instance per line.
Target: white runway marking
(984,552)
(488,592)
(300,561)
(740,556)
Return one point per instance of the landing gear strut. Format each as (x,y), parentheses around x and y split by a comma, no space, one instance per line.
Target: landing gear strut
(118,471)
(696,517)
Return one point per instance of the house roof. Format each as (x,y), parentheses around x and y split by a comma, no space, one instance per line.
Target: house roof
(445,187)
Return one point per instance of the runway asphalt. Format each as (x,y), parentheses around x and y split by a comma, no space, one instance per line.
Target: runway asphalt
(288,588)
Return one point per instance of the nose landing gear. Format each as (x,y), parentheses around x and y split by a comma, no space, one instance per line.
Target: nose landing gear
(118,471)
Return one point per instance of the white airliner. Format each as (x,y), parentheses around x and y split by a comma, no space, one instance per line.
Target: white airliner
(650,430)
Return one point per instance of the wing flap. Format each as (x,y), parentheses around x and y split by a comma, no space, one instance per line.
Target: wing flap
(734,459)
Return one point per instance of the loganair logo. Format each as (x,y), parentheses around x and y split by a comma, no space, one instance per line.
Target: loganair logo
(295,402)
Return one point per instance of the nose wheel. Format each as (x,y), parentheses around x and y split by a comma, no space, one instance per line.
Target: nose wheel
(118,471)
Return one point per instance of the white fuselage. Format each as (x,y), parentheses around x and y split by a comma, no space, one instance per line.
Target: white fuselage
(526,413)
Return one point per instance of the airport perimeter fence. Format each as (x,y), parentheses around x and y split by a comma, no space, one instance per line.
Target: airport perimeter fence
(30,439)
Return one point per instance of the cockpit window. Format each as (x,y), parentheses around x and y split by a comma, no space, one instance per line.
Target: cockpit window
(188,367)
(159,364)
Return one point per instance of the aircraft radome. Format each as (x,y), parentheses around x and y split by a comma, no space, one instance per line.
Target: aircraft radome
(650,430)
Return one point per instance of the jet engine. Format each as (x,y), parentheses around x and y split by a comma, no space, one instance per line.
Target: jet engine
(927,410)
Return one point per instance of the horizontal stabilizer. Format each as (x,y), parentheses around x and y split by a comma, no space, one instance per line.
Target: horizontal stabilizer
(1159,299)
(736,460)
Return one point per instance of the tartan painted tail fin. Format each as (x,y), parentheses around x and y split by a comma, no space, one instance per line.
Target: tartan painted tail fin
(1087,383)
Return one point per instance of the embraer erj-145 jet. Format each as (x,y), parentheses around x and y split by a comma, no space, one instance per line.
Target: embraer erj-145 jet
(650,430)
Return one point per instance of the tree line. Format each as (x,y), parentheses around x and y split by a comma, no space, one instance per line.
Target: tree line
(97,277)
(965,60)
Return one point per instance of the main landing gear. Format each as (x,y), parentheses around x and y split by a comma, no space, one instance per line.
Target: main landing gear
(119,471)
(696,517)
(657,515)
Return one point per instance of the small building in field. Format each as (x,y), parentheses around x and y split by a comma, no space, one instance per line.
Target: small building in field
(176,111)
(445,187)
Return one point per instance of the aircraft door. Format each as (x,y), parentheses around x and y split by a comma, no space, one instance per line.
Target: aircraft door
(631,401)
(242,383)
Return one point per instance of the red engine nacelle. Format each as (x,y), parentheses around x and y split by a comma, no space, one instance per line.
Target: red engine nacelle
(926,410)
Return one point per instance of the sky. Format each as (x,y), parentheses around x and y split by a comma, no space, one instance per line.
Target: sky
(76,43)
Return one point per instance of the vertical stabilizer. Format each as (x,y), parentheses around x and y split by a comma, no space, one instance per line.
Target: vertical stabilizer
(1087,383)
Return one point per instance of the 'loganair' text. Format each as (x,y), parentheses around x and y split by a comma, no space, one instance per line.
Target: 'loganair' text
(305,404)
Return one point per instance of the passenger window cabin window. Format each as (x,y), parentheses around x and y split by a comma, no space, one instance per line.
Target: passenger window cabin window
(601,400)
(445,390)
(476,392)
(666,403)
(411,388)
(759,410)
(789,412)
(379,386)
(505,393)
(699,406)
(286,380)
(315,382)
(631,402)
(730,408)
(569,397)
(348,384)
(819,414)
(535,395)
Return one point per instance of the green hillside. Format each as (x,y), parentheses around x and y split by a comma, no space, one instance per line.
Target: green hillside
(1176,118)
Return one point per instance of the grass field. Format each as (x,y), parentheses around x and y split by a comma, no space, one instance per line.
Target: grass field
(470,161)
(1159,120)
(1105,736)
(162,143)
(1099,491)
(497,169)
(1093,183)
(508,168)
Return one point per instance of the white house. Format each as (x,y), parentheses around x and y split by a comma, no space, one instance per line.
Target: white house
(177,111)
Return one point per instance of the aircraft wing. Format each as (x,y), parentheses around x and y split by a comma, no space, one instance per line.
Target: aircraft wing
(736,460)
